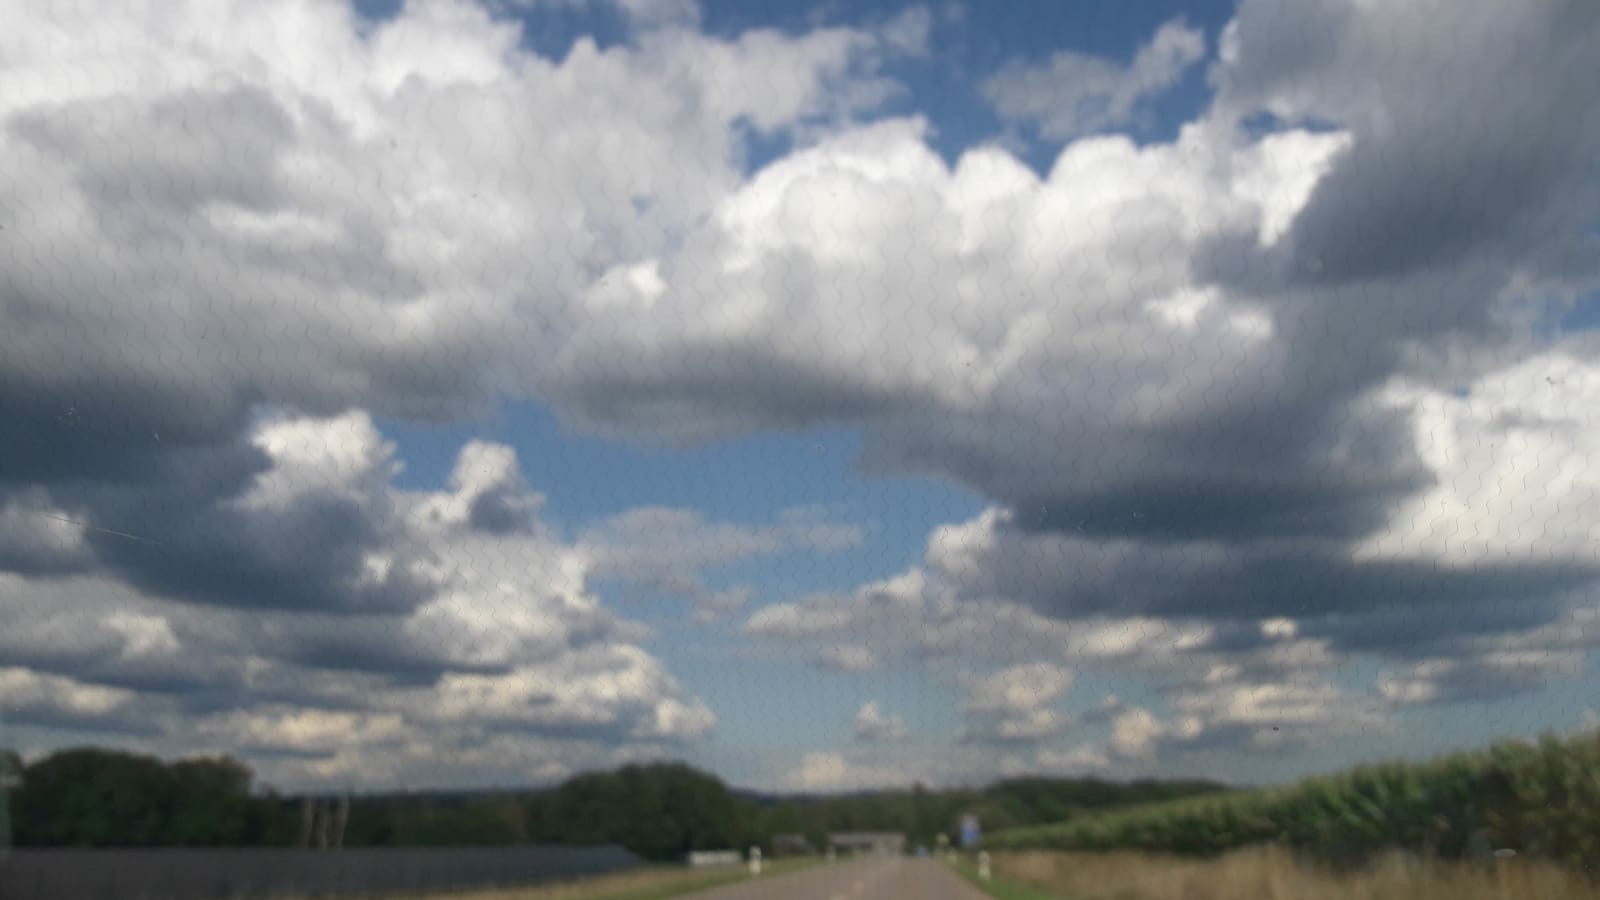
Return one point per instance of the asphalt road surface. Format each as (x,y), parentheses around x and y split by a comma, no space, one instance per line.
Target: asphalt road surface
(881,878)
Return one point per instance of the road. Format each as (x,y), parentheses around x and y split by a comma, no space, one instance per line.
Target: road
(882,878)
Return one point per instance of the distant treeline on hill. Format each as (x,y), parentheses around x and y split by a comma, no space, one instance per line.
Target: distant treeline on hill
(104,798)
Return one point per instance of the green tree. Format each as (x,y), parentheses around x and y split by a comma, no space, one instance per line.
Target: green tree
(94,798)
(106,798)
(659,811)
(211,803)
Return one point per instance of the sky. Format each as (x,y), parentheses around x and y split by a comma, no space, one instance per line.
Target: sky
(457,394)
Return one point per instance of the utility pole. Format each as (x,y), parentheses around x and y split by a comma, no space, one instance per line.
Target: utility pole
(322,824)
(308,820)
(341,820)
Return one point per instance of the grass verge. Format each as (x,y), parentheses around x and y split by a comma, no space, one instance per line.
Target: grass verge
(653,883)
(999,886)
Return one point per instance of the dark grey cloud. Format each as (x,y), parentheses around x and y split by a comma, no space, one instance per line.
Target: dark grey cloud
(1476,680)
(36,538)
(100,657)
(53,716)
(1483,154)
(1473,172)
(106,428)
(50,701)
(100,632)
(416,651)
(1372,604)
(308,556)
(500,512)
(169,519)
(1274,463)
(380,649)
(702,390)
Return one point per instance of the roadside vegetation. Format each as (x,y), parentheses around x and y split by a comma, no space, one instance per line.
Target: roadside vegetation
(1001,885)
(654,883)
(1277,873)
(1532,800)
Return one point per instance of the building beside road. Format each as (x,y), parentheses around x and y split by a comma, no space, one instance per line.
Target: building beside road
(867,843)
(792,845)
(701,858)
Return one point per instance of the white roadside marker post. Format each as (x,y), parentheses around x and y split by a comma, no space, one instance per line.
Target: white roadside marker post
(983,865)
(755,860)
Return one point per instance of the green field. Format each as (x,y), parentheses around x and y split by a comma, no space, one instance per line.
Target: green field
(1538,799)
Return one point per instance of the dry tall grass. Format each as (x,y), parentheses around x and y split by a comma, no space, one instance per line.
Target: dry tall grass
(1272,873)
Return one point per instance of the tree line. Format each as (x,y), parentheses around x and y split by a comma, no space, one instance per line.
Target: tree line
(102,798)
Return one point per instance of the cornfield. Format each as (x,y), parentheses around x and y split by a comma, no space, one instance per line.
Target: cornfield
(1540,799)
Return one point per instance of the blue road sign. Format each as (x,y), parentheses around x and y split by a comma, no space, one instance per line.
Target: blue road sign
(969,831)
